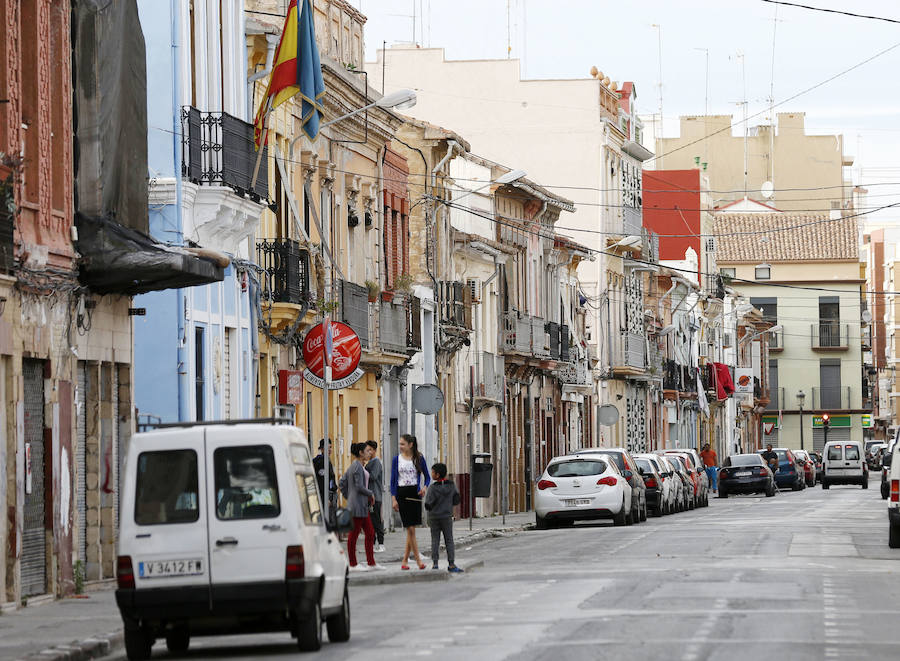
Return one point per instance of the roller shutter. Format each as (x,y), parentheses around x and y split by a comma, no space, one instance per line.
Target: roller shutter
(34,558)
(81,461)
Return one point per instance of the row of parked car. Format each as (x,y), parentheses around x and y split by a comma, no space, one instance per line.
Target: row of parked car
(613,483)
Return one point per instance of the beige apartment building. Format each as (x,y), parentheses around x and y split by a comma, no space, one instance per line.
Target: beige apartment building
(806,170)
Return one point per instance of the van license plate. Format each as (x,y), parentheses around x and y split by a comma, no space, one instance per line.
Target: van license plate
(578,501)
(168,568)
(743,474)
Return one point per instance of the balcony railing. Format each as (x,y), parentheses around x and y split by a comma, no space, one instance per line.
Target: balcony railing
(630,351)
(355,310)
(219,149)
(455,306)
(632,221)
(776,399)
(413,325)
(576,373)
(829,335)
(392,326)
(834,397)
(564,340)
(285,265)
(671,375)
(517,333)
(489,381)
(540,339)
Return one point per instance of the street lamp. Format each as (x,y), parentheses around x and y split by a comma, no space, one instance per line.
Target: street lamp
(399,100)
(502,180)
(801,396)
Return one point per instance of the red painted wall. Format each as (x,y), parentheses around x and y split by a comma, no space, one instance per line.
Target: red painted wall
(672,206)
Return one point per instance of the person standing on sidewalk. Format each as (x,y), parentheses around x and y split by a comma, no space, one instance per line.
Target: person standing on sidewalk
(376,484)
(711,461)
(442,496)
(319,467)
(354,486)
(407,472)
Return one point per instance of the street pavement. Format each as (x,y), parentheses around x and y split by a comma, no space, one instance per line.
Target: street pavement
(804,575)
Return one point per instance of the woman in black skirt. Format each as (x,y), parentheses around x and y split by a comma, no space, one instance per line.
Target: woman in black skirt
(409,477)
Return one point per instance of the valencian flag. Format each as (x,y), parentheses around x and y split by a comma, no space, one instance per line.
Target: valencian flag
(296,70)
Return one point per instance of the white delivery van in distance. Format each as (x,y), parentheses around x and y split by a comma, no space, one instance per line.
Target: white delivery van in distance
(221,531)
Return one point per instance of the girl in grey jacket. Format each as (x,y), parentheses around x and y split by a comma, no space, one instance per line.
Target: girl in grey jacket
(355,487)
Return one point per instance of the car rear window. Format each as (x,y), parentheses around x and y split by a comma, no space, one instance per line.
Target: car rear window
(746,460)
(851,452)
(617,459)
(246,485)
(645,465)
(166,488)
(577,468)
(834,452)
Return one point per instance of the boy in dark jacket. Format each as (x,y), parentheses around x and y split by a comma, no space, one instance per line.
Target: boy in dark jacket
(442,495)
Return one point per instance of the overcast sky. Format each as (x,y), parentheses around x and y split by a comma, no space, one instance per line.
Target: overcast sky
(564,38)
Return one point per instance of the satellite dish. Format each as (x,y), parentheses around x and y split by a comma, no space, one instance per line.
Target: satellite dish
(866,317)
(767,190)
(608,415)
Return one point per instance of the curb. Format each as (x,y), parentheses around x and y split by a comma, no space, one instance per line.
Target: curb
(90,648)
(411,576)
(473,538)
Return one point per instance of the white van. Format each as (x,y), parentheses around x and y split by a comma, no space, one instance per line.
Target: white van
(894,498)
(221,530)
(844,462)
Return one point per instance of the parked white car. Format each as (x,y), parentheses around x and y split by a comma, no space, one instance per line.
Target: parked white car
(221,531)
(844,462)
(575,487)
(665,501)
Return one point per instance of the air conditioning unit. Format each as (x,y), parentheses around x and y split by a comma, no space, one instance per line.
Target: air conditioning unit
(474,285)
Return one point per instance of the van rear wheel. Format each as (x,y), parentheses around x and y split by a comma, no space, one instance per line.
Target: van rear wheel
(338,626)
(178,640)
(138,643)
(309,631)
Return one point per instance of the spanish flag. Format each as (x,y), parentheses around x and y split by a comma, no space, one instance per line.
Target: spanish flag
(296,70)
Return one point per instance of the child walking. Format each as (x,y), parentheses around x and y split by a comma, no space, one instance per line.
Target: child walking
(442,495)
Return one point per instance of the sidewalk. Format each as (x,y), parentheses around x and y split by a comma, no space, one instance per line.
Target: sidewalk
(394,542)
(90,627)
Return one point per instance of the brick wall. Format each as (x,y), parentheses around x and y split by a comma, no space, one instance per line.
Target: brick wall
(396,217)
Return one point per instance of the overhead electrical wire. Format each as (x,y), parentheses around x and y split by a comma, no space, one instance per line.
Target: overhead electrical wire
(832,11)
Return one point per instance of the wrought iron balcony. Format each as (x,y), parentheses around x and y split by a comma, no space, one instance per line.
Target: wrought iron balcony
(831,398)
(830,335)
(671,375)
(576,373)
(218,149)
(285,276)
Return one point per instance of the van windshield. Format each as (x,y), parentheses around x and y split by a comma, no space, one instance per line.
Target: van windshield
(166,488)
(246,486)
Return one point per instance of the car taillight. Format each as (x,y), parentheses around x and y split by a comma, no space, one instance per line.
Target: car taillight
(762,471)
(895,491)
(546,484)
(650,482)
(608,481)
(294,564)
(124,573)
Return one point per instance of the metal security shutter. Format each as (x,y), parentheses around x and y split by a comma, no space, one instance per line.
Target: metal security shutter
(834,434)
(34,561)
(81,461)
(226,395)
(118,454)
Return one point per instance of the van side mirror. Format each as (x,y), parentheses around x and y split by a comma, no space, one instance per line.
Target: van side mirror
(342,521)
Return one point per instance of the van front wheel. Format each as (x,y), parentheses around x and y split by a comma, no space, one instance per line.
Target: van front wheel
(338,626)
(309,631)
(138,643)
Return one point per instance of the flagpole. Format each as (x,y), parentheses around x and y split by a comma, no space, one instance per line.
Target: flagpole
(262,145)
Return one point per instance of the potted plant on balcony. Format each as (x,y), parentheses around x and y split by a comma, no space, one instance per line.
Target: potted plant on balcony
(374,289)
(404,283)
(324,306)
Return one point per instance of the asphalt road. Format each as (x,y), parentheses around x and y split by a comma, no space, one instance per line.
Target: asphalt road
(804,575)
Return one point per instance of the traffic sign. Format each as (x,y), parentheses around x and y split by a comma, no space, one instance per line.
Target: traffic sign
(346,351)
(427,399)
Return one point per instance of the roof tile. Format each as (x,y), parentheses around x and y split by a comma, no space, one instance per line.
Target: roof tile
(784,237)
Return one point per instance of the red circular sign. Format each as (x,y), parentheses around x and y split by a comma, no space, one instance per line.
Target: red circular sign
(344,357)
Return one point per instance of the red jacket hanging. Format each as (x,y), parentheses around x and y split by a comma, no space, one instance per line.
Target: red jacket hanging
(724,384)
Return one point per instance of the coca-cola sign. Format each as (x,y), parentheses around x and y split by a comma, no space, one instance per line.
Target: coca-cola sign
(345,355)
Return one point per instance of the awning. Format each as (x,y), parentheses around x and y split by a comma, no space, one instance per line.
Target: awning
(119,260)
